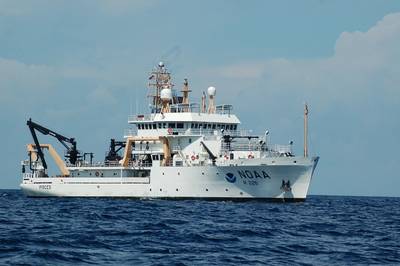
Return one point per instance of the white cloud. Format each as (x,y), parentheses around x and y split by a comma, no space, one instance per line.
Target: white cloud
(118,7)
(241,70)
(24,7)
(102,96)
(18,80)
(109,7)
(363,63)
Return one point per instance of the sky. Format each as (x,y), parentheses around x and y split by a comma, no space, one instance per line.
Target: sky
(81,67)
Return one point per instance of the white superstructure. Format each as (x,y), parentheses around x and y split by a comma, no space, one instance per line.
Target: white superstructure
(179,150)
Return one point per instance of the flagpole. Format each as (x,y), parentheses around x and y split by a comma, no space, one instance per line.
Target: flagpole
(305,130)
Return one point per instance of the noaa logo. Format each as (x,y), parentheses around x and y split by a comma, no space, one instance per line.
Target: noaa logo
(230,177)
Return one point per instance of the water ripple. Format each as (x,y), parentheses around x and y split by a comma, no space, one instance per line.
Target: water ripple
(321,231)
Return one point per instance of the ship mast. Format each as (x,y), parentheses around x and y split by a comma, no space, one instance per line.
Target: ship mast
(305,130)
(159,79)
(185,92)
(203,103)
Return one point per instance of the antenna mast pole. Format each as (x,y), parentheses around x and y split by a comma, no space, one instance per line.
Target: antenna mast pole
(185,92)
(305,130)
(159,79)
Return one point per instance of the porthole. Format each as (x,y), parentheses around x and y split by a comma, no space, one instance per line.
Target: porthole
(217,173)
(179,173)
(206,189)
(226,189)
(163,173)
(295,161)
(177,189)
(160,189)
(202,173)
(241,193)
(150,189)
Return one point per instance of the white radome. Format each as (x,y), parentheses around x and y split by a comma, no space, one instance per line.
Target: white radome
(211,91)
(166,94)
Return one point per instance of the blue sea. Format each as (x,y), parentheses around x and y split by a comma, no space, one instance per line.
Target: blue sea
(324,230)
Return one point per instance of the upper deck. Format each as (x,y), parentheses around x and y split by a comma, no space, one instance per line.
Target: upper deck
(216,118)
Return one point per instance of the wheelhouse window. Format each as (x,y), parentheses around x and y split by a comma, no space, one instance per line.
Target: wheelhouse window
(154,126)
(171,125)
(179,125)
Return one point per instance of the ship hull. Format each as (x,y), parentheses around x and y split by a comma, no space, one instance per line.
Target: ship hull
(279,180)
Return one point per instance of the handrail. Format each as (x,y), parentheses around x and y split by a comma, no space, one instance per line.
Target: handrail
(190,132)
(224,109)
(131,164)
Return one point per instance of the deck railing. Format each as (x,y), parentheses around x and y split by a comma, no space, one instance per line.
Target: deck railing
(29,175)
(134,164)
(224,109)
(146,117)
(191,132)
(273,150)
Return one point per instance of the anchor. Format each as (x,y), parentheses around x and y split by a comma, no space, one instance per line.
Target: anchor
(286,186)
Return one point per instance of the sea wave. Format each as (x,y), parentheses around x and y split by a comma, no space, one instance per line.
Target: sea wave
(76,231)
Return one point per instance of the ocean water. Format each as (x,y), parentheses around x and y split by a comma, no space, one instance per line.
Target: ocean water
(324,230)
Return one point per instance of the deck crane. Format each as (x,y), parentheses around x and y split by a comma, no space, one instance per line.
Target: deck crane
(72,153)
(115,147)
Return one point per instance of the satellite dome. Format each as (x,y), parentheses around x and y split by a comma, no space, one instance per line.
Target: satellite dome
(161,64)
(166,94)
(211,91)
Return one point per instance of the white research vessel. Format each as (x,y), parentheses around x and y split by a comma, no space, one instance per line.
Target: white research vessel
(180,150)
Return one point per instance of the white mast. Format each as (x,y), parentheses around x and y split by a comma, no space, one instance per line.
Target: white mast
(305,130)
(185,92)
(203,103)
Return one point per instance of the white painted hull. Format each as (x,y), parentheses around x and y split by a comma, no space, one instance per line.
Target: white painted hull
(256,181)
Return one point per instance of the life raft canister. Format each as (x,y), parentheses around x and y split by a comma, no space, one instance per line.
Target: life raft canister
(193,157)
(170,131)
(97,173)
